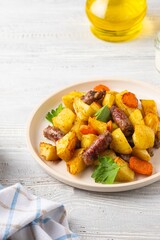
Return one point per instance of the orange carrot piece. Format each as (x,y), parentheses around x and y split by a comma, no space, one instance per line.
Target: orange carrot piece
(130,100)
(140,166)
(109,126)
(87,129)
(101,87)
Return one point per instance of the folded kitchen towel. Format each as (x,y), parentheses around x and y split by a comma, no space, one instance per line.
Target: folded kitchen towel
(24,216)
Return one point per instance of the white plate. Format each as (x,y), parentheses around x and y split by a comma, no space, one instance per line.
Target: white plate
(84,181)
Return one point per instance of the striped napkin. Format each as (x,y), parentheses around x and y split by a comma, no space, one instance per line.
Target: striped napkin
(24,216)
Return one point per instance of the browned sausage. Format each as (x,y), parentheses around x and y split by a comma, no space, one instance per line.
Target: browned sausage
(98,146)
(157,140)
(93,96)
(53,133)
(120,118)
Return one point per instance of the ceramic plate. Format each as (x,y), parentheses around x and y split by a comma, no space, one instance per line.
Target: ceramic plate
(84,181)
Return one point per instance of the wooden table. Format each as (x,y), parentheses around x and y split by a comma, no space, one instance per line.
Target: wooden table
(45,46)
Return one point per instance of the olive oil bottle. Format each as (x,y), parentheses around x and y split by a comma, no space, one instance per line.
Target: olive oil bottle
(116,20)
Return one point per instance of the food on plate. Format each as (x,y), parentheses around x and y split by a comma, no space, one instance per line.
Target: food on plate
(140,166)
(64,120)
(125,173)
(113,133)
(130,100)
(66,146)
(53,133)
(122,120)
(119,142)
(119,102)
(143,136)
(97,147)
(76,164)
(48,151)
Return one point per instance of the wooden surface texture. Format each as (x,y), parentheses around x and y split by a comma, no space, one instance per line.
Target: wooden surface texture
(46,45)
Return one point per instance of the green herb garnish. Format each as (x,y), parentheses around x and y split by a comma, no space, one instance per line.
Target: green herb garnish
(106,171)
(103,114)
(54,113)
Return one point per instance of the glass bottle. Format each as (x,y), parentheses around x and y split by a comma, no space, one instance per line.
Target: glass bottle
(116,20)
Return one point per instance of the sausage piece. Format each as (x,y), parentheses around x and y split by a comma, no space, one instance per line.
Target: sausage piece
(150,151)
(157,140)
(93,96)
(53,133)
(98,146)
(120,118)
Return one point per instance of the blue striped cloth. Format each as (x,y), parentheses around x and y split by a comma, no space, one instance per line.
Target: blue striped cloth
(28,217)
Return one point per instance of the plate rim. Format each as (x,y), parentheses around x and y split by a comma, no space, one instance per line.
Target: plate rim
(119,187)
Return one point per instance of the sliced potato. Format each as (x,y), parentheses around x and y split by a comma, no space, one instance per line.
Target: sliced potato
(136,117)
(148,106)
(151,120)
(109,100)
(95,106)
(87,140)
(48,151)
(76,164)
(119,142)
(66,146)
(125,174)
(64,121)
(141,153)
(143,137)
(99,126)
(69,98)
(83,110)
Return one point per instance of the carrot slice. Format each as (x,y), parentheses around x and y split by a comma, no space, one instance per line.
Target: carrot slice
(130,100)
(140,166)
(101,87)
(87,129)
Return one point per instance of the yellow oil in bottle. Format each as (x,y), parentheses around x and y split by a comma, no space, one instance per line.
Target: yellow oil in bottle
(116,20)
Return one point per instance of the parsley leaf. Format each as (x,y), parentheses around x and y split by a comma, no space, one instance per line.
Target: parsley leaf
(54,113)
(103,114)
(106,171)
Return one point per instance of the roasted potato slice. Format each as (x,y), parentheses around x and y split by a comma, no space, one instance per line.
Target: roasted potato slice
(136,117)
(119,142)
(65,120)
(66,146)
(87,140)
(99,126)
(141,153)
(151,120)
(143,136)
(125,174)
(82,110)
(148,106)
(48,151)
(69,98)
(109,100)
(95,106)
(76,164)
